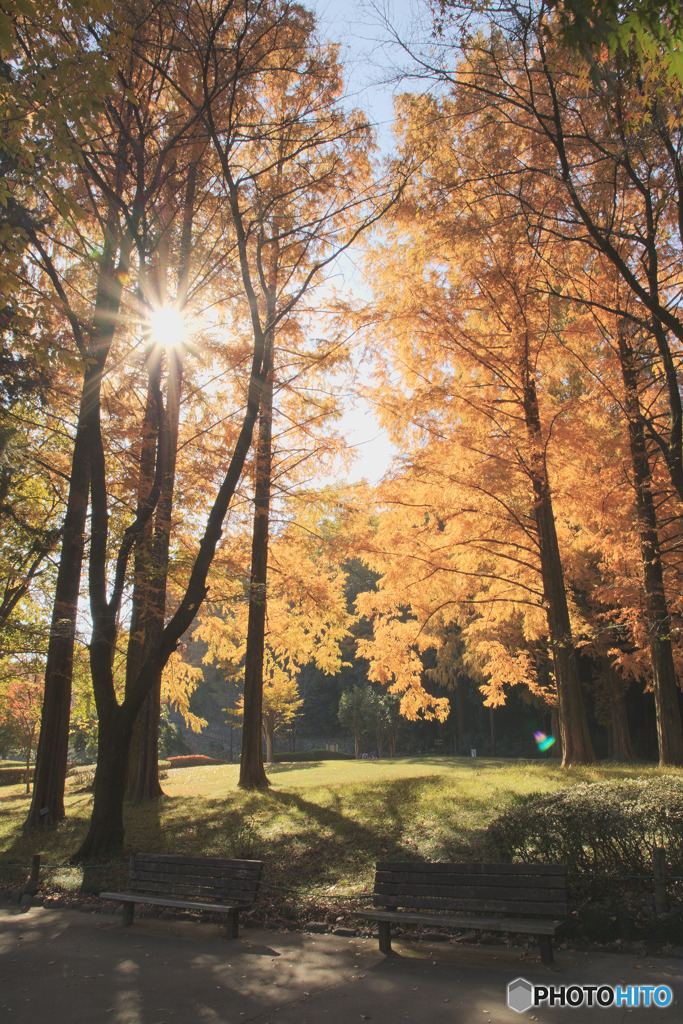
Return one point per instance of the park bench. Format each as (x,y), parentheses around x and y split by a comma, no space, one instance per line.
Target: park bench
(520,898)
(190,883)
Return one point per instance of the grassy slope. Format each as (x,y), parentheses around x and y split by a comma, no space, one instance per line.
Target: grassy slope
(320,828)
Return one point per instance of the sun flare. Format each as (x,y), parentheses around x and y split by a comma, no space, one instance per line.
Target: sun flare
(167,326)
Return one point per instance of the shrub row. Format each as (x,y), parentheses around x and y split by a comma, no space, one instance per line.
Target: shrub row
(597,828)
(83,775)
(192,761)
(313,755)
(13,776)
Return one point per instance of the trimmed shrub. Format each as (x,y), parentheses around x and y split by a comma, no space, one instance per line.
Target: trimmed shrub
(192,761)
(597,828)
(83,775)
(313,755)
(10,776)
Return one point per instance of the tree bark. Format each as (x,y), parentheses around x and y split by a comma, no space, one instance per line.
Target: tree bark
(665,685)
(252,772)
(269,734)
(460,717)
(152,557)
(151,581)
(109,791)
(573,725)
(620,747)
(47,803)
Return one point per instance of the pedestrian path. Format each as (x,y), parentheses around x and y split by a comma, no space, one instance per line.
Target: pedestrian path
(85,968)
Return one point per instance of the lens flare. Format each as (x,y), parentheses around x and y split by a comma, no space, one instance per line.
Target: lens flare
(544,742)
(167,326)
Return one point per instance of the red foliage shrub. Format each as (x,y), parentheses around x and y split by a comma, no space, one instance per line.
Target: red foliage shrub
(192,761)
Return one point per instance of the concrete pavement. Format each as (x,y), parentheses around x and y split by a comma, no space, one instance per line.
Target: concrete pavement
(85,968)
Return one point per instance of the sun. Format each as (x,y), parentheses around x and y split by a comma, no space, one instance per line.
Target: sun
(167,326)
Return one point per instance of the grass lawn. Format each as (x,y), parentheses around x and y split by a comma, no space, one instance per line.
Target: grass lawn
(319,829)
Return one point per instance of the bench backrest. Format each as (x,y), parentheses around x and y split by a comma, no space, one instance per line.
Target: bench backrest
(207,878)
(515,889)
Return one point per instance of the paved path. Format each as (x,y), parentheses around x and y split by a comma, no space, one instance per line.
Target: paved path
(70,966)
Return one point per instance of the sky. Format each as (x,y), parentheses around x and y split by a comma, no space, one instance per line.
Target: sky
(357,26)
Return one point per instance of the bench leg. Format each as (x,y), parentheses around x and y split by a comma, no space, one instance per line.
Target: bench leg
(546,944)
(385,937)
(128,913)
(232,924)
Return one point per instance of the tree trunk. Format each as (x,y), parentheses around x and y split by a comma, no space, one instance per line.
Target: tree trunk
(356,742)
(110,788)
(29,751)
(106,832)
(573,726)
(47,804)
(620,745)
(152,574)
(269,734)
(143,784)
(665,685)
(252,772)
(492,725)
(460,718)
(142,781)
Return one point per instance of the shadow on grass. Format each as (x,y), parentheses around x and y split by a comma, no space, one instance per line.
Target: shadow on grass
(279,767)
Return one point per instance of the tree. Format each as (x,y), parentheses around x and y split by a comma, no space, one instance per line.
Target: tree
(470,338)
(356,711)
(232,50)
(281,703)
(308,619)
(96,243)
(640,29)
(594,155)
(21,714)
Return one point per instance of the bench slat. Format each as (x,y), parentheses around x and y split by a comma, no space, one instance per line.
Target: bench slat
(180,879)
(161,901)
(485,906)
(526,926)
(172,860)
(219,893)
(170,870)
(531,883)
(467,868)
(489,892)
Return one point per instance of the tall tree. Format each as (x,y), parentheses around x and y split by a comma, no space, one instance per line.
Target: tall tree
(232,49)
(119,170)
(470,337)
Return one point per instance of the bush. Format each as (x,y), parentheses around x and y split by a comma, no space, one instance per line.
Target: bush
(14,776)
(598,828)
(192,761)
(83,775)
(171,740)
(314,755)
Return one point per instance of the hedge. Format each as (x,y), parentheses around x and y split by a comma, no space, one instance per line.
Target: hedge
(596,828)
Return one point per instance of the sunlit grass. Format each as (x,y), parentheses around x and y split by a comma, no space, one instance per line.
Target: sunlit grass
(321,826)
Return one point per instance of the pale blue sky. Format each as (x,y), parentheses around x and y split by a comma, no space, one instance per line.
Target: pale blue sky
(357,26)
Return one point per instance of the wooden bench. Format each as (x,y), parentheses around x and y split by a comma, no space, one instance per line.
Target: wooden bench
(190,883)
(521,898)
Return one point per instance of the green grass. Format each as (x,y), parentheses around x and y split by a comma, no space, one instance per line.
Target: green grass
(321,826)
(320,829)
